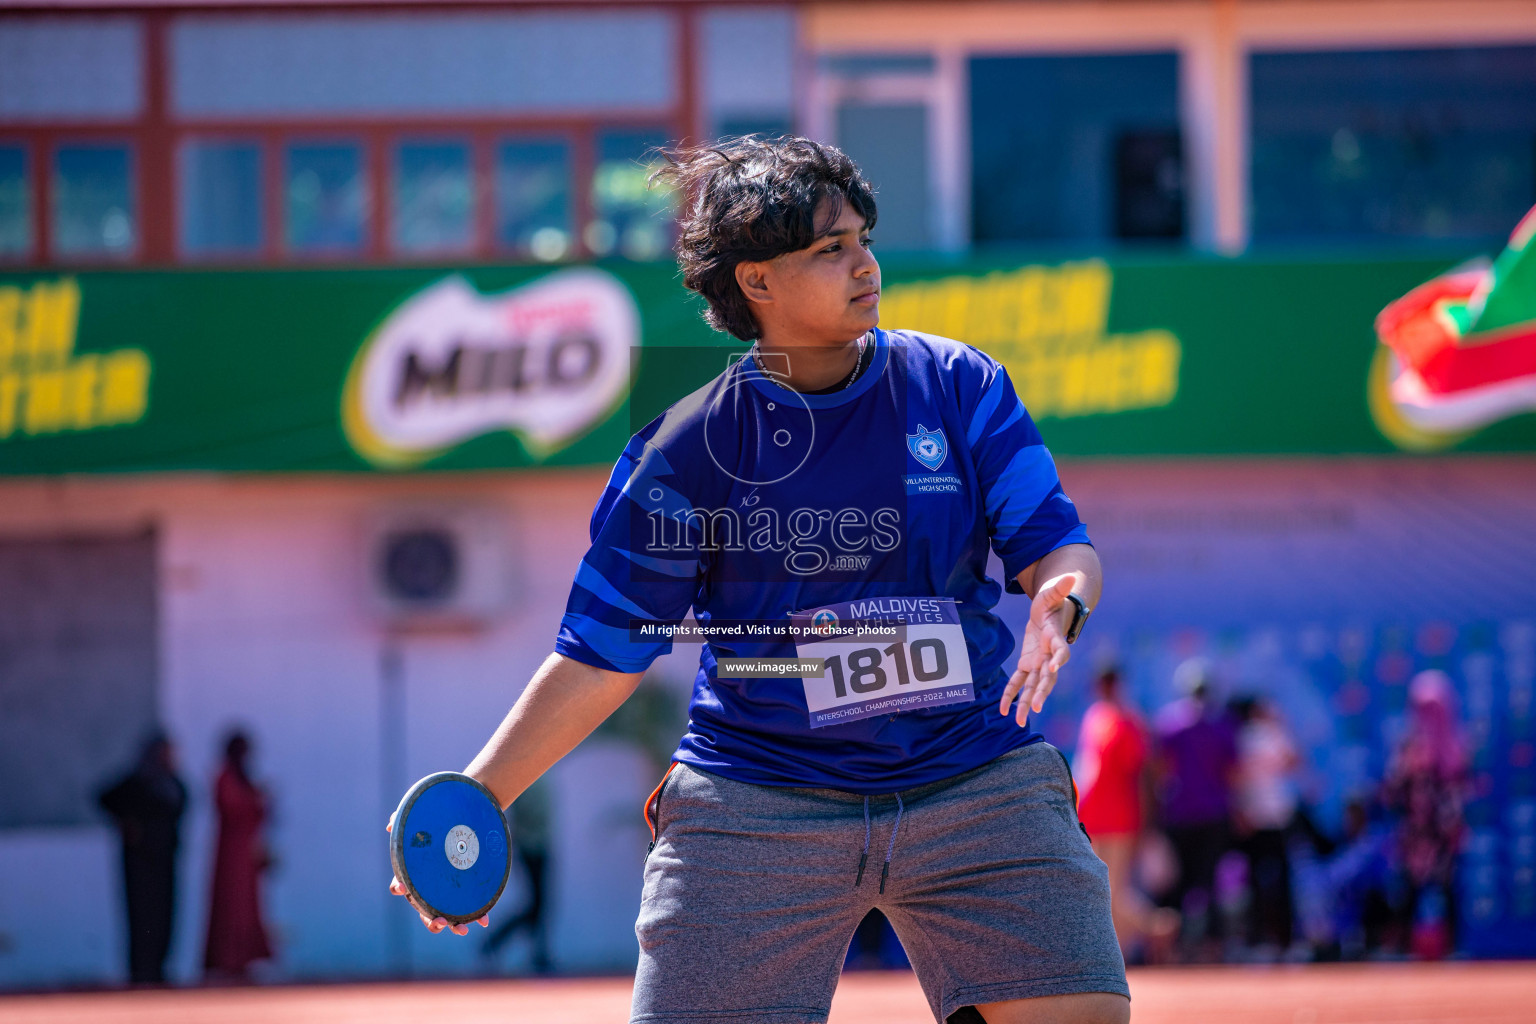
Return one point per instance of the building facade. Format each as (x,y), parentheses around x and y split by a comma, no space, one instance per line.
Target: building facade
(242,247)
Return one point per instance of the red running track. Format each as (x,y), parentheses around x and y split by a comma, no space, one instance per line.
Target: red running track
(1460,993)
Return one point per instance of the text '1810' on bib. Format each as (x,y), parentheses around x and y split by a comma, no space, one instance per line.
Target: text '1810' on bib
(926,667)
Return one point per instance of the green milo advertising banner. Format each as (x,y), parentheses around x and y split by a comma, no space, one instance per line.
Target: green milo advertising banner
(394,370)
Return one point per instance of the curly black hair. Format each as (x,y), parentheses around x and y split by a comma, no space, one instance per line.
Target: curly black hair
(749,199)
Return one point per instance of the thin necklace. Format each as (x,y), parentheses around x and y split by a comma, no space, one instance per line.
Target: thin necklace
(858,364)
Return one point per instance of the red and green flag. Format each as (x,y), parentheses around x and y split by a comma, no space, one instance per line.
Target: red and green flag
(1459,352)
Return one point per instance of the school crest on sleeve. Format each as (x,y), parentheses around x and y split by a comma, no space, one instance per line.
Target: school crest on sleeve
(928,447)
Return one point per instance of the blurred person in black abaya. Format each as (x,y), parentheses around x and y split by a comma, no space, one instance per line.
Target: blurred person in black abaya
(147,806)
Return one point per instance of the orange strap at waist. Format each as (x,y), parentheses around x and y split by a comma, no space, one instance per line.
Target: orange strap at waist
(650,822)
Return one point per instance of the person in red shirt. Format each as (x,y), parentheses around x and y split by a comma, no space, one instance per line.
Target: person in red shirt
(1110,771)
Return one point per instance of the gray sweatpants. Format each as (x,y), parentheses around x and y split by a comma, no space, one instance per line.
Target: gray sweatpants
(752,893)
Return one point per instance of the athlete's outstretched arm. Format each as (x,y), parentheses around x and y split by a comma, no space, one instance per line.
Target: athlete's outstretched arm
(1071,568)
(562,704)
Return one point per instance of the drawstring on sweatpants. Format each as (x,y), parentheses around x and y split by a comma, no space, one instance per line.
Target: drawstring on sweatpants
(885,869)
(863,857)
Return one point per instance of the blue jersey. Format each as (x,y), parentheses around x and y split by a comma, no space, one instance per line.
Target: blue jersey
(746,502)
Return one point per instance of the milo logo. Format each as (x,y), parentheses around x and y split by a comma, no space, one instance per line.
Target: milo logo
(547,361)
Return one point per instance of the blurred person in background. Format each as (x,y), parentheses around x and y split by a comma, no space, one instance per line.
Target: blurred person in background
(1110,768)
(147,805)
(1265,808)
(1358,880)
(236,935)
(1196,757)
(530,845)
(1426,785)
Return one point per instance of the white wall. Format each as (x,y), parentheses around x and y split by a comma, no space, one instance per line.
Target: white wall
(263,623)
(52,927)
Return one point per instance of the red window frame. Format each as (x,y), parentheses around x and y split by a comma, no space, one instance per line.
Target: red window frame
(580,146)
(446,136)
(155,139)
(43,209)
(275,188)
(228,257)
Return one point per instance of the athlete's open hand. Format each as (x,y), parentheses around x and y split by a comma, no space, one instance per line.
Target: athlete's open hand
(434,924)
(1044,649)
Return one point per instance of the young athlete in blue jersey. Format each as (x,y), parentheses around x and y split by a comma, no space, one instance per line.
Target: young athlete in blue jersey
(857,738)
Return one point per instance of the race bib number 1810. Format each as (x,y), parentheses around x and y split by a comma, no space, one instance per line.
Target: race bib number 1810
(927,667)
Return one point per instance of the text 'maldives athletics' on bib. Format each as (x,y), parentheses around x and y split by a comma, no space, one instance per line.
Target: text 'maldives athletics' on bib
(925,666)
(755,507)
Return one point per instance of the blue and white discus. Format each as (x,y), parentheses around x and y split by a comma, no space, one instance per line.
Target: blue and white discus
(449,847)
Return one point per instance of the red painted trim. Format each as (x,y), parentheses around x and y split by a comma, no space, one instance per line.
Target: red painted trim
(156,185)
(42,214)
(482,162)
(690,109)
(274,221)
(66,7)
(376,159)
(583,163)
(438,124)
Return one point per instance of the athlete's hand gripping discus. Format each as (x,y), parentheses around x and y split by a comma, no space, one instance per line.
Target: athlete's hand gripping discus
(448,847)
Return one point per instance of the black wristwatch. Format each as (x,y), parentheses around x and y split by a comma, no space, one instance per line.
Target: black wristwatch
(1080,613)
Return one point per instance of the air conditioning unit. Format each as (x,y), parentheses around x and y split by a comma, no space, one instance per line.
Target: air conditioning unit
(437,564)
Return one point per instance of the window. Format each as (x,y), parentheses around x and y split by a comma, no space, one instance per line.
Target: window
(221,209)
(533,198)
(71,69)
(93,210)
(327,196)
(890,142)
(742,97)
(766,126)
(882,108)
(628,217)
(15,204)
(476,63)
(78,682)
(1393,144)
(1076,148)
(434,198)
